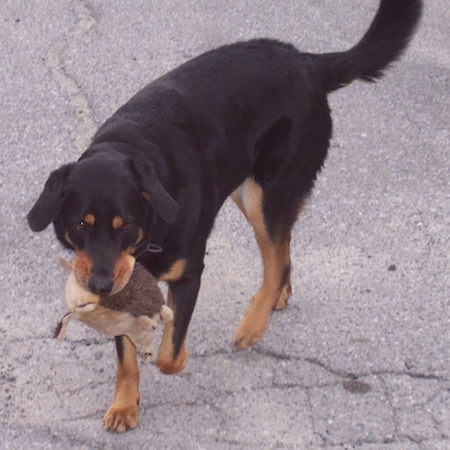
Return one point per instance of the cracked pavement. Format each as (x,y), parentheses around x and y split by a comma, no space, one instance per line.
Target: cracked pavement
(360,358)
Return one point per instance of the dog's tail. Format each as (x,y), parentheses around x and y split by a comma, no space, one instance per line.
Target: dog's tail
(384,42)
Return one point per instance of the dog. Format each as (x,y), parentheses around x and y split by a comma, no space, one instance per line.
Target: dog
(248,120)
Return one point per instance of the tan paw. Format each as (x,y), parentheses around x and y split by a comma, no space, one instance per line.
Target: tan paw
(284,297)
(121,418)
(245,339)
(169,366)
(255,322)
(249,333)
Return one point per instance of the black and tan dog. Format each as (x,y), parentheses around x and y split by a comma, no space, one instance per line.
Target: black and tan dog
(250,120)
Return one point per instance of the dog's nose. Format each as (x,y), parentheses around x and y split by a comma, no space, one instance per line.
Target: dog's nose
(100,285)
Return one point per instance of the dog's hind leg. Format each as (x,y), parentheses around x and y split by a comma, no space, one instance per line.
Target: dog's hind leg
(275,251)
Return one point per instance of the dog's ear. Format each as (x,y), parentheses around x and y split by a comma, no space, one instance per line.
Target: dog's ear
(47,206)
(154,192)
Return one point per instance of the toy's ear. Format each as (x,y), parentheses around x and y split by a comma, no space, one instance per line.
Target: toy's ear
(154,192)
(47,206)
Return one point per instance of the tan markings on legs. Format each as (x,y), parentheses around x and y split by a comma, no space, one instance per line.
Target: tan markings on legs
(175,272)
(248,197)
(283,243)
(165,361)
(124,412)
(275,289)
(286,291)
(285,295)
(273,294)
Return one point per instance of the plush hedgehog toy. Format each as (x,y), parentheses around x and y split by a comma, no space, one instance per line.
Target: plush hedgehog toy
(135,311)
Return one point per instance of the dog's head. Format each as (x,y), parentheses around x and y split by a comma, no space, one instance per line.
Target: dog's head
(103,207)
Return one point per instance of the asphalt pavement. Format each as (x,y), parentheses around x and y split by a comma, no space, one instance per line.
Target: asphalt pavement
(360,358)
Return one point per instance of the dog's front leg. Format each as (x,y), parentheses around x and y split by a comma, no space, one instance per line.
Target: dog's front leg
(124,411)
(182,295)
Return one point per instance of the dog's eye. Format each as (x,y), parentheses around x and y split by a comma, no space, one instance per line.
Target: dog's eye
(79,226)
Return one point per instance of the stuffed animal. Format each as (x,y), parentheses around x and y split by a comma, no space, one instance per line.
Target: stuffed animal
(135,311)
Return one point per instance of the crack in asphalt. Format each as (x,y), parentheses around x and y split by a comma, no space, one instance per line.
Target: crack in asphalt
(78,100)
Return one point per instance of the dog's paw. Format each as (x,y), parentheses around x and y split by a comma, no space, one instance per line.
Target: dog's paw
(285,294)
(246,337)
(166,364)
(251,329)
(121,418)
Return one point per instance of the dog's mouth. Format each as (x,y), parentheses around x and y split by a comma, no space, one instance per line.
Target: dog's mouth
(98,285)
